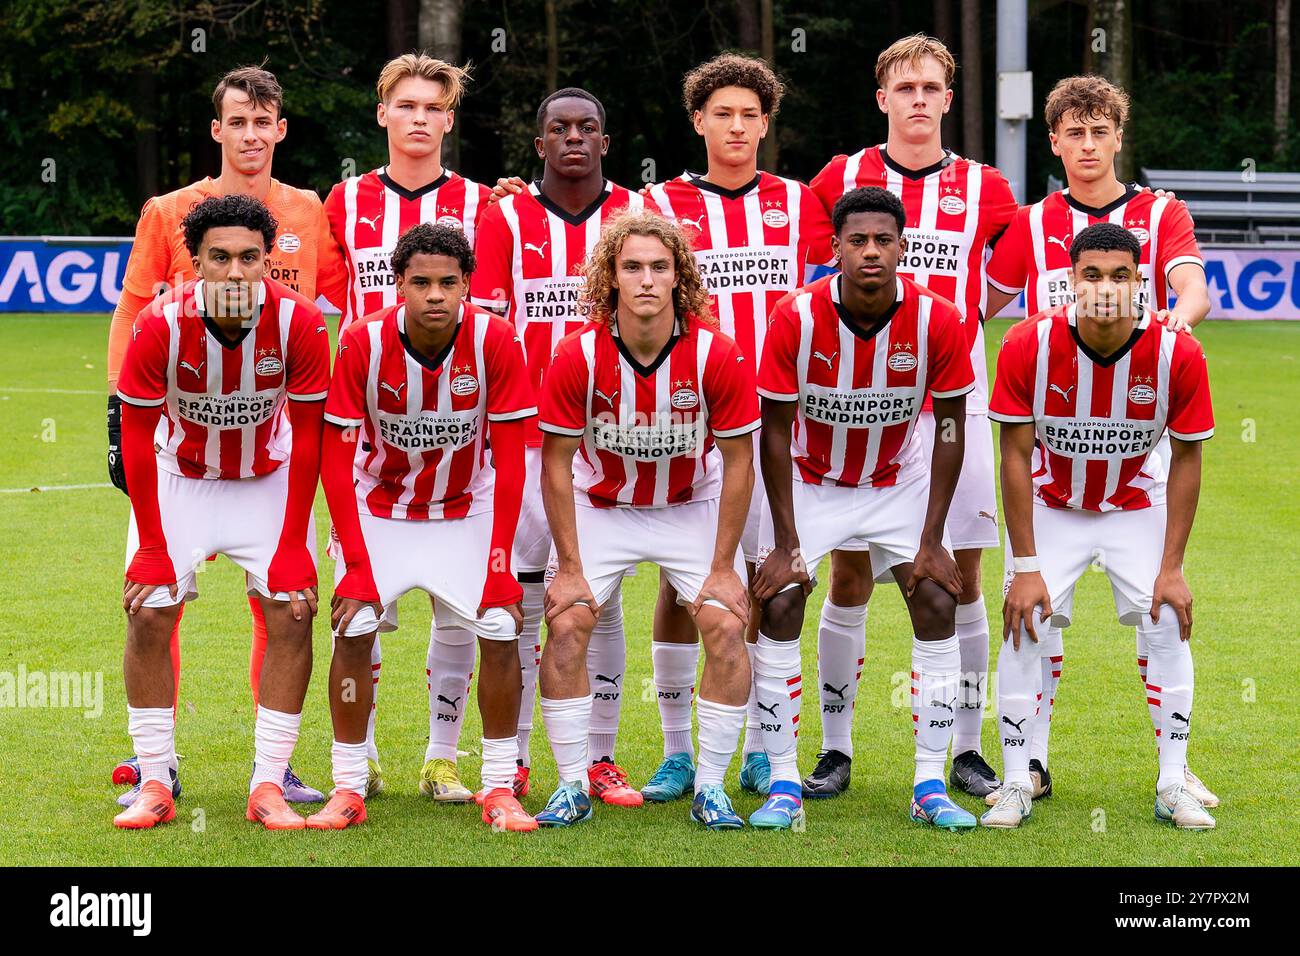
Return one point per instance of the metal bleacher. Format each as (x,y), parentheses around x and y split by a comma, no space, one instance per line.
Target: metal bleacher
(1237,207)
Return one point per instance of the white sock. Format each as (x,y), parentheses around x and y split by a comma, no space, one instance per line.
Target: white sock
(606,664)
(675,666)
(973,643)
(153,732)
(568,721)
(778,683)
(1170,681)
(753,735)
(499,763)
(719,730)
(274,736)
(1052,653)
(350,770)
(1153,708)
(376,662)
(936,671)
(530,655)
(841,649)
(1019,688)
(450,669)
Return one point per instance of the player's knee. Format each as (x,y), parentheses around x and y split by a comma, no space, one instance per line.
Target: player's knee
(150,627)
(354,647)
(783,615)
(851,583)
(497,654)
(566,639)
(968,563)
(933,612)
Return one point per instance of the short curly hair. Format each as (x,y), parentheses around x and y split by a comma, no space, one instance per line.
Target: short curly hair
(1105,237)
(428,239)
(732,69)
(1090,96)
(867,199)
(237,210)
(599,297)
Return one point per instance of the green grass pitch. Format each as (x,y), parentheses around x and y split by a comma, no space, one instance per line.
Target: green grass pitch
(62,563)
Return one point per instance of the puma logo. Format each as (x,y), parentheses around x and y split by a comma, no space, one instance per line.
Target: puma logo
(453,704)
(1060,242)
(939,703)
(762,706)
(609,399)
(609,680)
(1064,393)
(838,693)
(540,250)
(975,686)
(985,514)
(196,369)
(397,392)
(830,362)
(371,222)
(1016,724)
(694,222)
(1177,716)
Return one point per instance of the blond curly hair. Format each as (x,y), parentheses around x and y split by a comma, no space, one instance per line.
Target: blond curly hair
(599,296)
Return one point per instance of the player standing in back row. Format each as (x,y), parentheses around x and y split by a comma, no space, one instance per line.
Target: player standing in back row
(1084,393)
(955,208)
(418,96)
(530,250)
(756,237)
(1085,120)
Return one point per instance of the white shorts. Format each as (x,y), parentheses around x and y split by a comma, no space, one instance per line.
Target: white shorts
(973,514)
(1126,545)
(533,534)
(749,538)
(678,538)
(447,558)
(886,522)
(201,517)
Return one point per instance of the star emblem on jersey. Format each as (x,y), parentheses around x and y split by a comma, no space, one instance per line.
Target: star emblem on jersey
(952,202)
(449,216)
(268,362)
(1142,391)
(774,216)
(463,383)
(901,358)
(684,396)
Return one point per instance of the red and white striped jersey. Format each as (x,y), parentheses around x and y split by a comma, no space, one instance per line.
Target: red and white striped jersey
(753,245)
(1034,253)
(647,431)
(223,402)
(423,421)
(955,210)
(529,267)
(1099,418)
(368,214)
(859,394)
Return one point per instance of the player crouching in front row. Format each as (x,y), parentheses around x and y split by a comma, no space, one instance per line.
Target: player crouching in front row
(224,376)
(633,407)
(1084,393)
(425,386)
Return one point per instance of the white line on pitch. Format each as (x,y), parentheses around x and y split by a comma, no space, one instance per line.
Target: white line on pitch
(56,391)
(16,491)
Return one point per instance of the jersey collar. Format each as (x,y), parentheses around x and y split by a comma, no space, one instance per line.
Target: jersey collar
(949,157)
(535,187)
(1105,361)
(410,194)
(847,321)
(645,371)
(432,364)
(201,310)
(1130,190)
(699,182)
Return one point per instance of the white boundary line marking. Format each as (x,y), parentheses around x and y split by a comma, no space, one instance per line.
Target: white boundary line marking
(15,491)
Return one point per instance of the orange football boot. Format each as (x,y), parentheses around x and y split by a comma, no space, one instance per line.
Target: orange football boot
(502,811)
(519,785)
(154,805)
(609,783)
(267,806)
(345,809)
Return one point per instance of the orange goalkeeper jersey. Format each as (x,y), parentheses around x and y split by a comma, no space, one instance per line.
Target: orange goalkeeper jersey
(305,256)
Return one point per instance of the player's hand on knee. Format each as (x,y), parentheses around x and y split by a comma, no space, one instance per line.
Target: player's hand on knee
(724,586)
(934,562)
(303,602)
(344,609)
(1028,591)
(567,589)
(1171,588)
(516,612)
(781,568)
